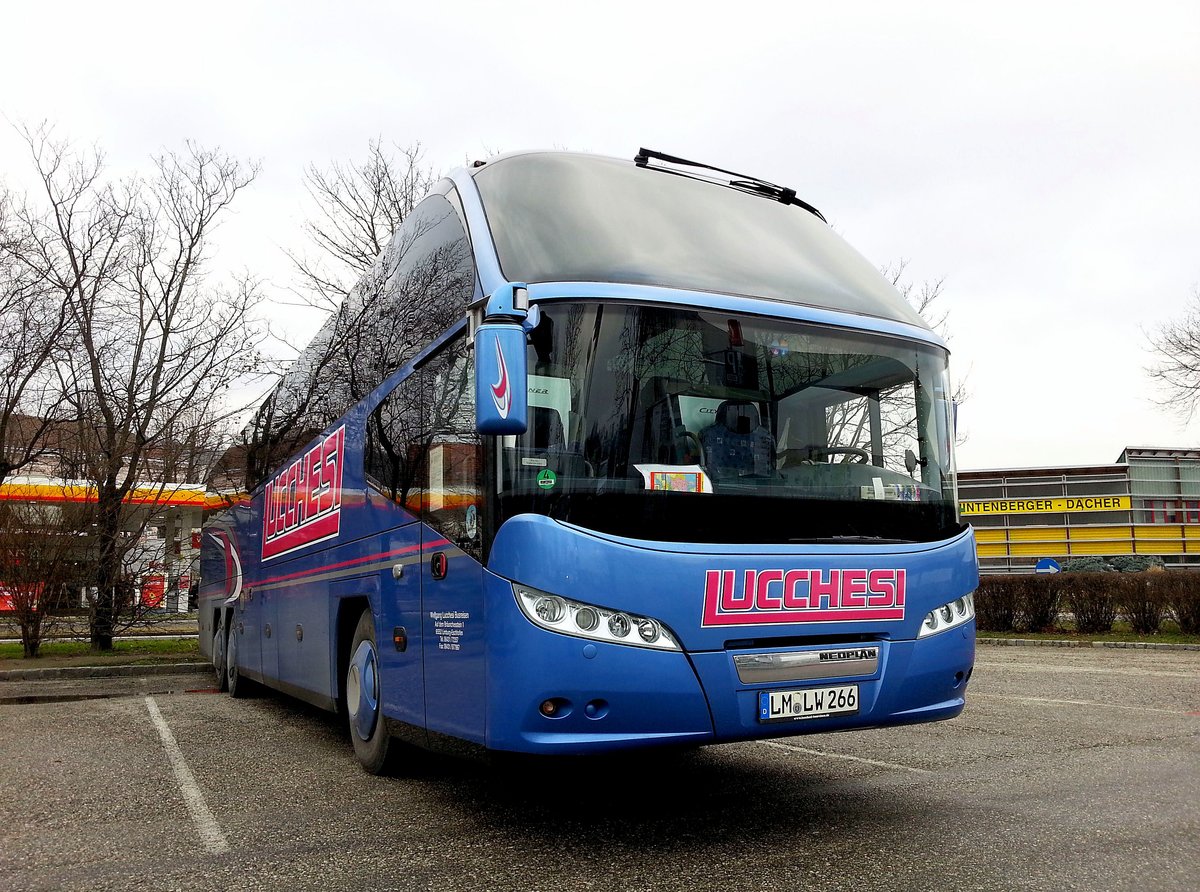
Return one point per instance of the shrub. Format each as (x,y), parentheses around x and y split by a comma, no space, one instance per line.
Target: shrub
(1092,597)
(1087,565)
(995,603)
(1038,601)
(1025,603)
(1141,601)
(1181,592)
(1136,563)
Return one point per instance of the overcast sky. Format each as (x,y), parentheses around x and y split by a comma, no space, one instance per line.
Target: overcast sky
(1040,158)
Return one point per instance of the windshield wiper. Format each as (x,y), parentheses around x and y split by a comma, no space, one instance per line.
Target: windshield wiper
(745,183)
(852,540)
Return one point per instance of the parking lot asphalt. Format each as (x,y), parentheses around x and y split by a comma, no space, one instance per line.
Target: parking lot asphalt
(1069,769)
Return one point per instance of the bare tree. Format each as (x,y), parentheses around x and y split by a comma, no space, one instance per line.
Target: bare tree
(359,204)
(33,331)
(921,297)
(1177,346)
(38,566)
(157,346)
(358,207)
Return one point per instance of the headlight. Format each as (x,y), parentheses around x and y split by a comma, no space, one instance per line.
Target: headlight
(949,616)
(569,617)
(619,625)
(550,609)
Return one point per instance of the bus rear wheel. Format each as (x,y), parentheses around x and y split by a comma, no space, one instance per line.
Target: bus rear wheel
(368,730)
(237,685)
(218,653)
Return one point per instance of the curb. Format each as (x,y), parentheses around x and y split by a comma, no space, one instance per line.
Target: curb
(185,668)
(103,671)
(1045,642)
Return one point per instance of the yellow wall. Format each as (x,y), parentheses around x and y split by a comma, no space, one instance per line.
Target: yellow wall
(1067,542)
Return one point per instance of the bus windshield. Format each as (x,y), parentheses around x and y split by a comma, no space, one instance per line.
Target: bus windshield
(575,218)
(692,425)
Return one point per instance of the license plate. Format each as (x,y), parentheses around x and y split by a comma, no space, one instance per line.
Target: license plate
(807,703)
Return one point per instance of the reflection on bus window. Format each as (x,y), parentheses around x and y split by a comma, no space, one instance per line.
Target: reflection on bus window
(625,401)
(422,450)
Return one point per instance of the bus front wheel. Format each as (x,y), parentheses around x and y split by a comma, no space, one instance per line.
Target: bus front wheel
(368,730)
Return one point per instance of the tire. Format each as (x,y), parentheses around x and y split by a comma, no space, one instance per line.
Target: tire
(237,685)
(218,654)
(368,730)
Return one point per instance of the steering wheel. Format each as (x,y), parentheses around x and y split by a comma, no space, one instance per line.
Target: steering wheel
(809,455)
(863,457)
(789,458)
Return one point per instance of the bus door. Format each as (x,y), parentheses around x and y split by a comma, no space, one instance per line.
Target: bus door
(453,626)
(398,632)
(423,454)
(451,549)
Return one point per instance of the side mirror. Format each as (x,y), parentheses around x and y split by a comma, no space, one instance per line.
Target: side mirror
(910,461)
(501,375)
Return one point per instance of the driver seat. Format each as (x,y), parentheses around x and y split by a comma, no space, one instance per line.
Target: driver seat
(737,443)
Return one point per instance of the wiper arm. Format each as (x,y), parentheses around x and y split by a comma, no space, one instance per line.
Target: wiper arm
(852,540)
(743,182)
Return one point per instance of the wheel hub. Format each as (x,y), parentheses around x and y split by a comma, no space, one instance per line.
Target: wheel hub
(362,691)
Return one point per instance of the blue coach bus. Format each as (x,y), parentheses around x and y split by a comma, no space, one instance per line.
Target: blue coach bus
(602,454)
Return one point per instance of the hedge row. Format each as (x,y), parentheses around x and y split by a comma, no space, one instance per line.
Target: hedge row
(1033,603)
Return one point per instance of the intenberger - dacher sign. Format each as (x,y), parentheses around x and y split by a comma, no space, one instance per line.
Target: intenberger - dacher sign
(1044,506)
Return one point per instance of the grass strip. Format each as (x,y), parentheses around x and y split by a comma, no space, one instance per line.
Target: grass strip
(80,653)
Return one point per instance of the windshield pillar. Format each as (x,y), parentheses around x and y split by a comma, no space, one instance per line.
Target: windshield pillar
(876,421)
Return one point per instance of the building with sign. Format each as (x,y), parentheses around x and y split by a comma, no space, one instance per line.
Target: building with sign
(161,520)
(1147,503)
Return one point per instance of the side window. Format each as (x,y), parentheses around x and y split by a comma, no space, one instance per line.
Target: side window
(421,288)
(418,288)
(454,480)
(414,292)
(422,450)
(397,444)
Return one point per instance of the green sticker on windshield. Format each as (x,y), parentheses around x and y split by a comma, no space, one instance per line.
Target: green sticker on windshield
(546,479)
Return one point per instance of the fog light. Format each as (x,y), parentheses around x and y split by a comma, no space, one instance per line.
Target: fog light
(548,708)
(587,618)
(619,625)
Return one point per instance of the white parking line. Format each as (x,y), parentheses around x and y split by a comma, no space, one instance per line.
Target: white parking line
(206,824)
(823,754)
(1055,702)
